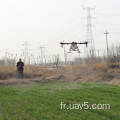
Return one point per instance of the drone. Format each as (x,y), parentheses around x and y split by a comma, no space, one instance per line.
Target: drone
(74,46)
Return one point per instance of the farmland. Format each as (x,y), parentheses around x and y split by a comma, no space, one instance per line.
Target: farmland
(59,60)
(40,100)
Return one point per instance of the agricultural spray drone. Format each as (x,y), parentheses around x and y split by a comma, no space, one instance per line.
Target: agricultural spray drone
(74,46)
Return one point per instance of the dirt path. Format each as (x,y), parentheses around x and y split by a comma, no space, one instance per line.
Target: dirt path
(14,111)
(30,117)
(5,113)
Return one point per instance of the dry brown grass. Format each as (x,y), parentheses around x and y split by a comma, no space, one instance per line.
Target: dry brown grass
(101,72)
(7,72)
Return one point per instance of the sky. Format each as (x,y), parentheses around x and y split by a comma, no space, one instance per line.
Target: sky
(49,22)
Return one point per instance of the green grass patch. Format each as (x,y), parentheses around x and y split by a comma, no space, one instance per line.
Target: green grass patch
(41,101)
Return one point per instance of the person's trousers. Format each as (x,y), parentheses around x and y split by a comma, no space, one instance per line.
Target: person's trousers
(20,74)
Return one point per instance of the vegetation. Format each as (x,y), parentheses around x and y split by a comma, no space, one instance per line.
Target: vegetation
(41,101)
(39,95)
(101,72)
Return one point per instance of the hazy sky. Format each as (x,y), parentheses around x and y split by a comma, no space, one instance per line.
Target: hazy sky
(47,22)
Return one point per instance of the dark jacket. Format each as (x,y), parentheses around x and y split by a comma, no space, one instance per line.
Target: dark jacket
(20,65)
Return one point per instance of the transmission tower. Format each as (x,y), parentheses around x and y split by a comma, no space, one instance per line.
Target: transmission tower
(25,51)
(90,51)
(43,54)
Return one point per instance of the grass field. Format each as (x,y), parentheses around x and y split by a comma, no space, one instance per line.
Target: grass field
(41,101)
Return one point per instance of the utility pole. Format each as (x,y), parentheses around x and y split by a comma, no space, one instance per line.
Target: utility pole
(106,33)
(79,56)
(45,54)
(98,53)
(6,57)
(49,60)
(41,48)
(64,53)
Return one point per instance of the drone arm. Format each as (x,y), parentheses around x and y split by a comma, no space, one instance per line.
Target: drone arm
(62,43)
(84,43)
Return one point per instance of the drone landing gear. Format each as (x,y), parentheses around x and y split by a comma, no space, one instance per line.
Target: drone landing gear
(69,52)
(74,50)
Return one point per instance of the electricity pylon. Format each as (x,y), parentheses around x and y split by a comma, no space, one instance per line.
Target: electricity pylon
(25,51)
(90,51)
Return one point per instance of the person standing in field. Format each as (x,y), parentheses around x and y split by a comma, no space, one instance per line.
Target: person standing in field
(20,66)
